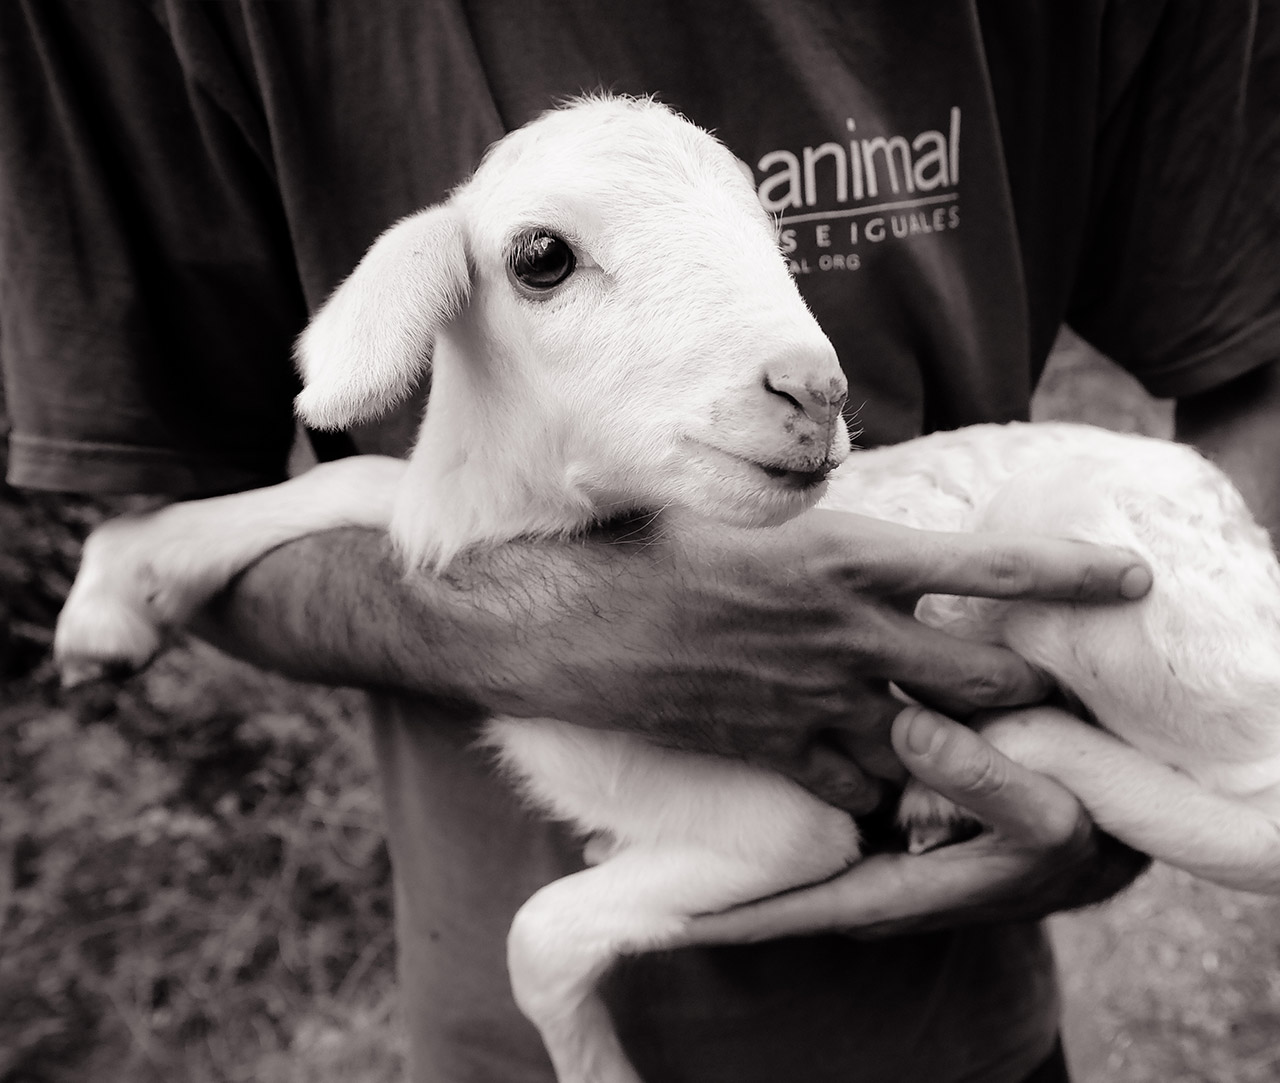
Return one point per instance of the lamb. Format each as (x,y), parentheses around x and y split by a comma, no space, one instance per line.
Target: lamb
(611,327)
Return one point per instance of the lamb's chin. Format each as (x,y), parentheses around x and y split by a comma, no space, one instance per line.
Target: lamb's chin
(755,506)
(780,507)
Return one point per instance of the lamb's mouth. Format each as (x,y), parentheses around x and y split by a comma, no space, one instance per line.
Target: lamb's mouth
(796,479)
(780,476)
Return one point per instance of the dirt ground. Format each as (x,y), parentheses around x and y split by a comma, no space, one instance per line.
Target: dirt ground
(1174,981)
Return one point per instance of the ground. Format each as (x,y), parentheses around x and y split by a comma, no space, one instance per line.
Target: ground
(193,885)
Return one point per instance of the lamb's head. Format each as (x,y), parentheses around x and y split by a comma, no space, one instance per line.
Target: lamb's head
(614,329)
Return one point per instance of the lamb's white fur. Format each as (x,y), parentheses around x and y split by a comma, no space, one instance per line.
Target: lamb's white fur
(644,382)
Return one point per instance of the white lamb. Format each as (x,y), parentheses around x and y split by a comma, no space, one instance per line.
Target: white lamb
(611,327)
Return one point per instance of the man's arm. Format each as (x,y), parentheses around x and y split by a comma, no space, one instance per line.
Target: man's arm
(1238,426)
(776,646)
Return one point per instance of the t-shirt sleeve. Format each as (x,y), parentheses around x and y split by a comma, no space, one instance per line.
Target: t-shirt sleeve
(148,296)
(1180,278)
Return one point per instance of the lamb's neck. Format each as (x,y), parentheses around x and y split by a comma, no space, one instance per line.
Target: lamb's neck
(468,483)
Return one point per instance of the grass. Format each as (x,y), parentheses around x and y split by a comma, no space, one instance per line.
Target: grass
(194,889)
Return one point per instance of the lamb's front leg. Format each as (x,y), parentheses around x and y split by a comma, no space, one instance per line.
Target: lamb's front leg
(640,899)
(142,574)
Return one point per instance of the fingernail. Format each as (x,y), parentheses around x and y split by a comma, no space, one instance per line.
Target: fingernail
(923,732)
(1135,582)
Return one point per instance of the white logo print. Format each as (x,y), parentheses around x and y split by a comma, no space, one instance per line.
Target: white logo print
(866,190)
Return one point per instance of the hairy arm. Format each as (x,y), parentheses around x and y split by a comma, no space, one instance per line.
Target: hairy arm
(773,645)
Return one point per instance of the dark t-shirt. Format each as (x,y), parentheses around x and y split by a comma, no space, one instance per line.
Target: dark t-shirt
(184,182)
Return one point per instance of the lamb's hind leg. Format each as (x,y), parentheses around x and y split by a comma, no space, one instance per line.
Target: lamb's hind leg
(1149,805)
(141,574)
(566,937)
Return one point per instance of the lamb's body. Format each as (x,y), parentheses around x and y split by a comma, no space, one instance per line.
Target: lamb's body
(1189,677)
(1191,674)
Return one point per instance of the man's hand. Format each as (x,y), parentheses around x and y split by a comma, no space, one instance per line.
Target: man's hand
(776,646)
(1040,854)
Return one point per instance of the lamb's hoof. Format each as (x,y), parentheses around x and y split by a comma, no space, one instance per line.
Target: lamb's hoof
(931,821)
(101,638)
(599,848)
(921,838)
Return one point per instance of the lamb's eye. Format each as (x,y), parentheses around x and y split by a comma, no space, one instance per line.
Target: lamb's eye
(541,260)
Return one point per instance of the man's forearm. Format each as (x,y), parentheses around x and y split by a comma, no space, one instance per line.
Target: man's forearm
(1238,426)
(337,608)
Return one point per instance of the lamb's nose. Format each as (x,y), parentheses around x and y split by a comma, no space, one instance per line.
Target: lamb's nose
(819,398)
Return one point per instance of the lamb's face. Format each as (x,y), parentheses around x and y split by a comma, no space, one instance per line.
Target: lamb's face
(611,327)
(635,299)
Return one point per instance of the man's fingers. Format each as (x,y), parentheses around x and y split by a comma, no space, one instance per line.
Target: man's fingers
(1014,566)
(830,907)
(956,674)
(884,894)
(1018,803)
(897,560)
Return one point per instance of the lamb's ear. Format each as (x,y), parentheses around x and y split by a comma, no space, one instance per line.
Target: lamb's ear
(371,340)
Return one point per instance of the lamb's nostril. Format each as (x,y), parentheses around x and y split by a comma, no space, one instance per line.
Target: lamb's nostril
(782,392)
(819,400)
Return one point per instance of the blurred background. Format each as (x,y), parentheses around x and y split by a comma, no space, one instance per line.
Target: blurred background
(194,887)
